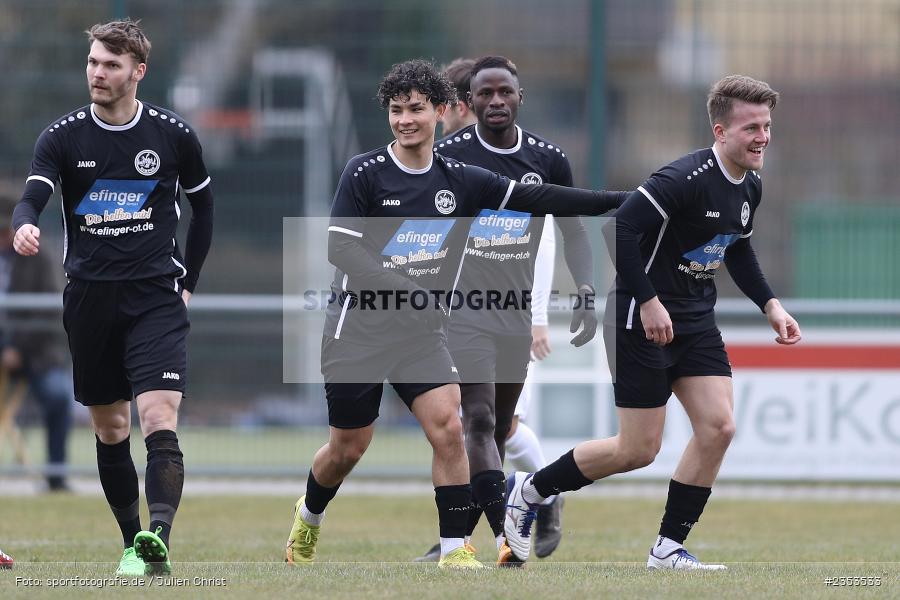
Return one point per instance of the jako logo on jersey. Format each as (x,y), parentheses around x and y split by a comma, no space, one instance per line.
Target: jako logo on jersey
(745,213)
(531,178)
(127,194)
(146,162)
(170,375)
(712,213)
(87,163)
(445,202)
(390,202)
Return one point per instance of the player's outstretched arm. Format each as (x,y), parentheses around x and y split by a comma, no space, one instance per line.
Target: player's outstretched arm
(562,201)
(783,323)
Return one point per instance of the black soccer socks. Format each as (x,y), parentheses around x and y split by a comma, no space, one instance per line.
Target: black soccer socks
(475,513)
(489,491)
(163,481)
(683,509)
(453,509)
(562,475)
(120,485)
(317,495)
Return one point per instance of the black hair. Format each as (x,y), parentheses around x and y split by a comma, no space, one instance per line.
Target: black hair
(416,75)
(494,62)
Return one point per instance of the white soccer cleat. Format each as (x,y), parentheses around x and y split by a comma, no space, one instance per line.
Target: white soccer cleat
(680,559)
(520,516)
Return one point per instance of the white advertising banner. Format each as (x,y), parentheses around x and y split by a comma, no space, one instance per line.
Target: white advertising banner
(828,412)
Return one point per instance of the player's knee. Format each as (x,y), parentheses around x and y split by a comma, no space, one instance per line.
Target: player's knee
(350,454)
(446,431)
(640,456)
(113,429)
(479,421)
(159,417)
(722,432)
(643,457)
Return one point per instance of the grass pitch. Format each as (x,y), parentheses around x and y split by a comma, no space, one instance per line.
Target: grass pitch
(774,550)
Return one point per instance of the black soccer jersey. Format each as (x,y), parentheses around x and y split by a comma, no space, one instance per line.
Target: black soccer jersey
(120,190)
(397,227)
(502,245)
(684,218)
(409,221)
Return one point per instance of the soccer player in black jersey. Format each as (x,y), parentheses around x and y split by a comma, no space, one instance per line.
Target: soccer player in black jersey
(399,223)
(121,165)
(671,236)
(492,348)
(458,114)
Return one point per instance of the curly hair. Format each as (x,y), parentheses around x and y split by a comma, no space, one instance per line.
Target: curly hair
(416,75)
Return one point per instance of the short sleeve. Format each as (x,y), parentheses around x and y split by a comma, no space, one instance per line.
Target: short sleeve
(487,189)
(561,171)
(47,157)
(668,190)
(351,201)
(192,173)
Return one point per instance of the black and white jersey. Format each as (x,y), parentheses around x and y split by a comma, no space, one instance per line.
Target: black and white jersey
(120,190)
(684,219)
(396,229)
(413,222)
(502,245)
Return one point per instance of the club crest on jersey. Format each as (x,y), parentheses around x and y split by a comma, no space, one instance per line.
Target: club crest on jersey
(531,178)
(745,214)
(146,162)
(445,202)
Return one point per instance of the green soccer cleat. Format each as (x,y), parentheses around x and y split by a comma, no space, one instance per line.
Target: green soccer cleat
(301,545)
(150,548)
(461,558)
(131,565)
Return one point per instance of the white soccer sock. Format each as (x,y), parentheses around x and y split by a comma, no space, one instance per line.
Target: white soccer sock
(665,546)
(500,539)
(530,493)
(448,545)
(311,518)
(523,450)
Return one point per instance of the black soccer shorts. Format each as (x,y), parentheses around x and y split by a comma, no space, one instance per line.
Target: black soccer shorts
(643,372)
(488,357)
(125,337)
(354,375)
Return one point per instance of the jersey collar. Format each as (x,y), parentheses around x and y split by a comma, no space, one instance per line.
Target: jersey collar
(128,125)
(404,168)
(725,171)
(502,150)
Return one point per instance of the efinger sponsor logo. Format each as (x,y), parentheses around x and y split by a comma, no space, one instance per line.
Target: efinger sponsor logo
(414,236)
(129,194)
(710,255)
(497,223)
